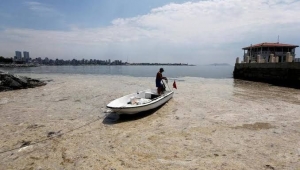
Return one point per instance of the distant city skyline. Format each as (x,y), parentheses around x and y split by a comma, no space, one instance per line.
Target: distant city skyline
(200,32)
(25,60)
(19,57)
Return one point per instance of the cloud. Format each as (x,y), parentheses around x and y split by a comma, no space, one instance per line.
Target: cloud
(194,32)
(42,9)
(217,19)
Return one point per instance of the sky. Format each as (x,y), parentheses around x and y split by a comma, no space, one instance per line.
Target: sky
(156,31)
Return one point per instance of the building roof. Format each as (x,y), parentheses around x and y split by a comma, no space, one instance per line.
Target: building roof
(267,44)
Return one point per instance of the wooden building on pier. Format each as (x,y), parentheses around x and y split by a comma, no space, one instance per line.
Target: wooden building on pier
(266,51)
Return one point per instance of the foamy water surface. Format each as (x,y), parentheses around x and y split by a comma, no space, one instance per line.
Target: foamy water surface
(208,124)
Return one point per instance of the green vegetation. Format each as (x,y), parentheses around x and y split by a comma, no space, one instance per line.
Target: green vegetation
(5,60)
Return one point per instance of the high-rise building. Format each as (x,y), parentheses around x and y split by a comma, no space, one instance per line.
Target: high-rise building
(19,55)
(26,56)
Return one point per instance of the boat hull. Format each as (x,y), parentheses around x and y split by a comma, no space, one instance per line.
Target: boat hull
(143,107)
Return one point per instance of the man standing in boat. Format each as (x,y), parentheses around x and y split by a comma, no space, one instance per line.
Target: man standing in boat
(158,80)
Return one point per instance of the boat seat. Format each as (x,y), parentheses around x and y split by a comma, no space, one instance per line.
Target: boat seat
(154,96)
(150,95)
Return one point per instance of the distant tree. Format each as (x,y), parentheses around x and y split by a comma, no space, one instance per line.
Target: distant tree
(5,60)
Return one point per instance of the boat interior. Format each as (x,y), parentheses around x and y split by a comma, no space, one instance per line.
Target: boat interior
(148,94)
(141,97)
(144,97)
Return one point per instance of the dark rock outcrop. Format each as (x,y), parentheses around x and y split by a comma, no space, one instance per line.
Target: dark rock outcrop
(12,82)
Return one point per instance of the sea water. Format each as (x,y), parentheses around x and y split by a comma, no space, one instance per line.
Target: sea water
(135,71)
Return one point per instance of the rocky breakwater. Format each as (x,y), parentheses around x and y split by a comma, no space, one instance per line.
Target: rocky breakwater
(12,82)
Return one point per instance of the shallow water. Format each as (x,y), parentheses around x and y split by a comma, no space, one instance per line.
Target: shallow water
(208,124)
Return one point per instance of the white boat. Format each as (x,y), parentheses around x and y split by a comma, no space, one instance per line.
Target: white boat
(139,102)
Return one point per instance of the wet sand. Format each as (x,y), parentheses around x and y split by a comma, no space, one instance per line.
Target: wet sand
(208,124)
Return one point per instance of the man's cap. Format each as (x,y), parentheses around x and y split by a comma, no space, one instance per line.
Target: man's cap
(161,69)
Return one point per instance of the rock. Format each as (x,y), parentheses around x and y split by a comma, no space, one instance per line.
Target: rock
(4,88)
(22,79)
(11,82)
(26,148)
(54,134)
(25,143)
(270,167)
(50,134)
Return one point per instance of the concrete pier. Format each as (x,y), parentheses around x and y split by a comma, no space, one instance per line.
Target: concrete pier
(282,74)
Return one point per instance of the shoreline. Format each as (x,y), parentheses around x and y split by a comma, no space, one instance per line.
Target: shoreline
(17,65)
(38,65)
